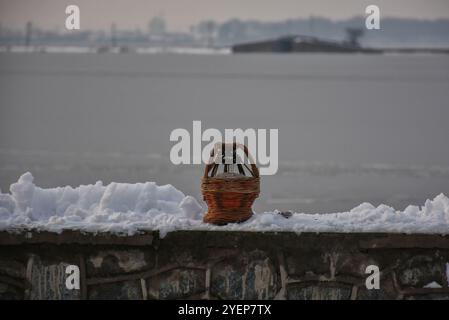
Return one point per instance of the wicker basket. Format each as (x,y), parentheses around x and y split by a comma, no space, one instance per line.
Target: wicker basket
(230,195)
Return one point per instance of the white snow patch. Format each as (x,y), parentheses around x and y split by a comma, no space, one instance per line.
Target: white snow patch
(117,207)
(433,285)
(129,208)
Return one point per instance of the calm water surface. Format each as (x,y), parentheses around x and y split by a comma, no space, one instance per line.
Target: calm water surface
(352,128)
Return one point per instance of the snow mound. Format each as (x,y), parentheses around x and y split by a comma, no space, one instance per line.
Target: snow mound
(117,207)
(129,208)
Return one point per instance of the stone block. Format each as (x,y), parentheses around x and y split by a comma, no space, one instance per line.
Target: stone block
(125,290)
(354,264)
(319,291)
(106,263)
(421,270)
(177,284)
(250,275)
(301,263)
(48,280)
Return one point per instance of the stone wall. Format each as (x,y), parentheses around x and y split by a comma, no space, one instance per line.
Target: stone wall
(223,265)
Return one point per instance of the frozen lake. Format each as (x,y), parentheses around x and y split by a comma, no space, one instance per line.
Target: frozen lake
(352,128)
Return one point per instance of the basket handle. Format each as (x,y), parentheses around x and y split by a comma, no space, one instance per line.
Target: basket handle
(254,170)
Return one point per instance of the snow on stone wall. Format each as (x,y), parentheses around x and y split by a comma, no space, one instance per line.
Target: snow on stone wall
(129,208)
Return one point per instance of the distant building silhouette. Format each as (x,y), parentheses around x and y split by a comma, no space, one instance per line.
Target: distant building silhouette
(353,35)
(157,26)
(113,35)
(28,31)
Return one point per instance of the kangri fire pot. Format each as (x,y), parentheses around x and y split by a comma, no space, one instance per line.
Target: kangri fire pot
(229,194)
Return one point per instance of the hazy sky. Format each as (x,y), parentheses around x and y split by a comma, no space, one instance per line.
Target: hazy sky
(180,14)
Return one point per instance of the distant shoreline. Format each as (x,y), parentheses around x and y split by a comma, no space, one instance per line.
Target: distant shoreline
(195,50)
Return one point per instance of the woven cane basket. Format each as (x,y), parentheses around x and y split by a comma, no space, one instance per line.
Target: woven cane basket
(230,195)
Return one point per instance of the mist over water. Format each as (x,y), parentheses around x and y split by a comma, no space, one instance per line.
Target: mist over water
(352,128)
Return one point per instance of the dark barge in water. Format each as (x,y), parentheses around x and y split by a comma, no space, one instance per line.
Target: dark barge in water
(300,44)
